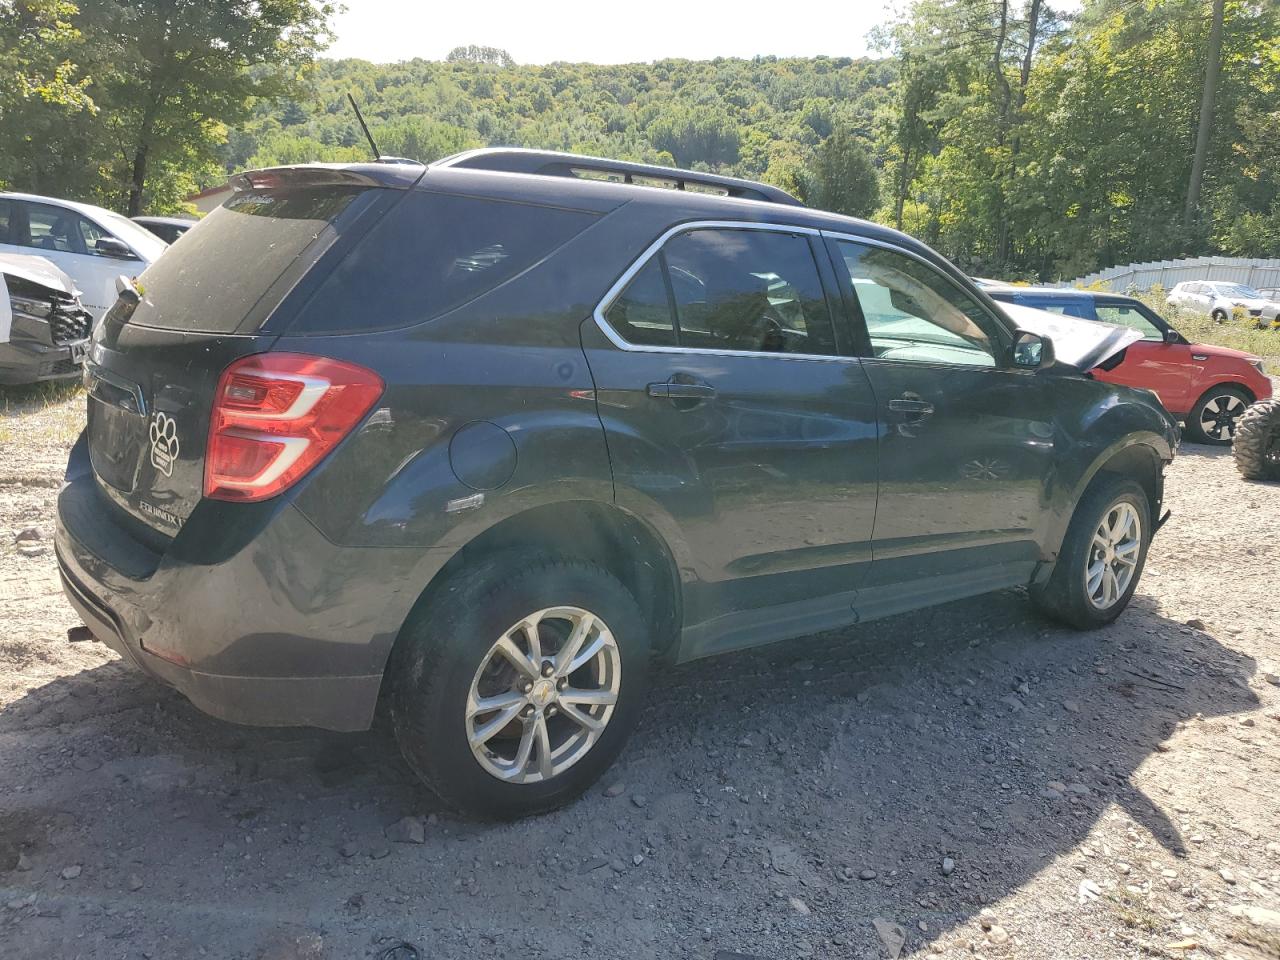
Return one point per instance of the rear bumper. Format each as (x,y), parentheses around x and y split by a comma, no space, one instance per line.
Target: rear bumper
(288,630)
(335,703)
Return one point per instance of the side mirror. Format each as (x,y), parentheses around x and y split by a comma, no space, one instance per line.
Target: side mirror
(1172,336)
(1031,350)
(111,247)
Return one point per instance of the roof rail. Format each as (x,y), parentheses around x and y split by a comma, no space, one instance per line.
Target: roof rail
(553,164)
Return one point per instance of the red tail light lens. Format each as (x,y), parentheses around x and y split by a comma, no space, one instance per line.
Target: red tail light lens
(275,416)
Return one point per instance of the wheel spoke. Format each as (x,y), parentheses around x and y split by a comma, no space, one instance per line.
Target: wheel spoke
(487,730)
(589,698)
(569,651)
(1111,591)
(583,719)
(588,653)
(479,706)
(1096,571)
(517,657)
(521,759)
(530,630)
(543,739)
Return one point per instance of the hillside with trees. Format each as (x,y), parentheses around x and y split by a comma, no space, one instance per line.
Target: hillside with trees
(1017,141)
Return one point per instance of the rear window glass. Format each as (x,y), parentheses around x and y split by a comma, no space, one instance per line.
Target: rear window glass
(215,278)
(432,253)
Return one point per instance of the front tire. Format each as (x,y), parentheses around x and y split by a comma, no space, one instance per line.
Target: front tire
(1213,420)
(1256,447)
(518,683)
(1102,556)
(1219,316)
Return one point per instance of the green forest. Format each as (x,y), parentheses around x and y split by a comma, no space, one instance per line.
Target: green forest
(1018,141)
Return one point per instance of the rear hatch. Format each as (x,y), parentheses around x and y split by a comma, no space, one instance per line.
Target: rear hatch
(221,294)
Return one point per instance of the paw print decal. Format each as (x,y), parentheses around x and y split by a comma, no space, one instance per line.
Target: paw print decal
(164,443)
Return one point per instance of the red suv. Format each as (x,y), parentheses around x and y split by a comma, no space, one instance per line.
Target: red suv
(1205,387)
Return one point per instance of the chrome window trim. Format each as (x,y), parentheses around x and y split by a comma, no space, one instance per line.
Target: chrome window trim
(640,262)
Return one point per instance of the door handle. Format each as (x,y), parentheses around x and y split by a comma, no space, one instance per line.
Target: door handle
(920,408)
(682,391)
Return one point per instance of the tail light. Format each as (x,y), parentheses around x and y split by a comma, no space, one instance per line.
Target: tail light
(275,416)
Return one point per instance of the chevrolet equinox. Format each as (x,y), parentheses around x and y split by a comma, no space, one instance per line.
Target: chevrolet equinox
(490,439)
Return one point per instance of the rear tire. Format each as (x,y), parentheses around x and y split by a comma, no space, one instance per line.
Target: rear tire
(1089,586)
(1256,447)
(1219,316)
(523,755)
(1213,419)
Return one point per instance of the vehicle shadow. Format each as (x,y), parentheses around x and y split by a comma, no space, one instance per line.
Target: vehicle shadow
(972,732)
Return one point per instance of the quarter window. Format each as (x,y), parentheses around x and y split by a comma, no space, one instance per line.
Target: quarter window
(914,314)
(754,291)
(642,314)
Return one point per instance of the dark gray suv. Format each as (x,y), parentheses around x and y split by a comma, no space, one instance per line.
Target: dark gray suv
(490,437)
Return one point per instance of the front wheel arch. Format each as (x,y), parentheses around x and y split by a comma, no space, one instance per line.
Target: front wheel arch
(1138,457)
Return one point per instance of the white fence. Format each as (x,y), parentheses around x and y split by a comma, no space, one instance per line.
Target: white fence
(1144,276)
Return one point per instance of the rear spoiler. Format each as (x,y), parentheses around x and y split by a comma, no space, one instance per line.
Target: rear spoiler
(549,163)
(399,175)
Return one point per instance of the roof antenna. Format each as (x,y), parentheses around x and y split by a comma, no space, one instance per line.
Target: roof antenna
(377,155)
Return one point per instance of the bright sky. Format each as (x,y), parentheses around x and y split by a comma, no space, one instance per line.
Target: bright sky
(385,31)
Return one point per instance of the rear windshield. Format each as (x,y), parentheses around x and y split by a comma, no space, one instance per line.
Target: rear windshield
(431,253)
(213,281)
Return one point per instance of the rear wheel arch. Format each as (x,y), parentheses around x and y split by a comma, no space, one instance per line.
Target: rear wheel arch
(600,533)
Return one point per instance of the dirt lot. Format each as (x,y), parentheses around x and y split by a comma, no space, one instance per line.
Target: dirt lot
(993,785)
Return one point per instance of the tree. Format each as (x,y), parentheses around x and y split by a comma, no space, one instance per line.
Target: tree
(842,178)
(1208,100)
(36,41)
(174,74)
(474,54)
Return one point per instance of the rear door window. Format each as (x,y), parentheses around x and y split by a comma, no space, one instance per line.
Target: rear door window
(751,291)
(432,253)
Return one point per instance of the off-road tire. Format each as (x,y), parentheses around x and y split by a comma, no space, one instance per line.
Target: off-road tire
(1063,596)
(1194,432)
(1256,447)
(446,639)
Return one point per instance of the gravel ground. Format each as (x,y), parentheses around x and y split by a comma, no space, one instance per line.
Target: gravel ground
(970,778)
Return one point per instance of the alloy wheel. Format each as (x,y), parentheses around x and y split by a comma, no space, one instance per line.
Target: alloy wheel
(543,695)
(1218,416)
(1113,555)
